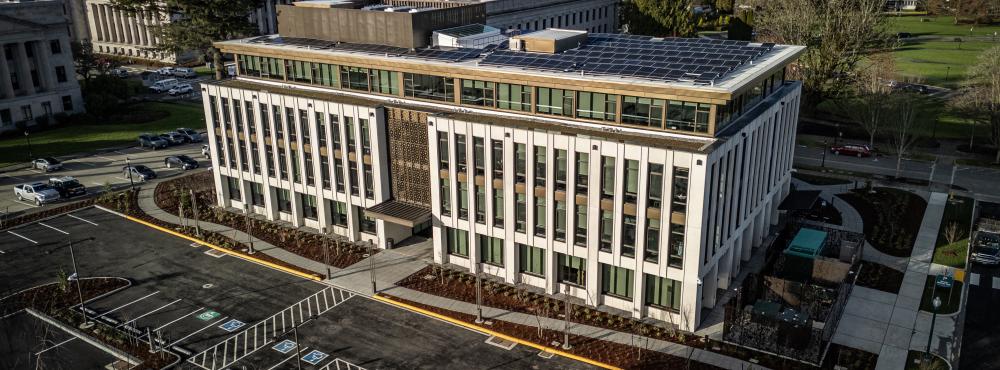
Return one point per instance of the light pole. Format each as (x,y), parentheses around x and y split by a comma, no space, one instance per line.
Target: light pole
(246,213)
(479,295)
(295,334)
(128,168)
(28,139)
(326,248)
(823,162)
(79,290)
(371,262)
(937,304)
(569,310)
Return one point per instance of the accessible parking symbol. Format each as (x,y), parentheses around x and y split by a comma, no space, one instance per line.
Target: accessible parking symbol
(232,325)
(314,357)
(285,346)
(208,315)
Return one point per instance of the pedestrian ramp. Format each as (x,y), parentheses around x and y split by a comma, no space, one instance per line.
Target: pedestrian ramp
(263,333)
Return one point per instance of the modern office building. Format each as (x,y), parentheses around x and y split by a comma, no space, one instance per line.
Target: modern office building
(37,75)
(588,15)
(633,172)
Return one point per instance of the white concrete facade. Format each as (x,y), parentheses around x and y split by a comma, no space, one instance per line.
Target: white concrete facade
(37,74)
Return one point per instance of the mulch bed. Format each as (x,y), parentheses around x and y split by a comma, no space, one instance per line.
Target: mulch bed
(849,358)
(881,277)
(168,195)
(616,354)
(891,218)
(460,286)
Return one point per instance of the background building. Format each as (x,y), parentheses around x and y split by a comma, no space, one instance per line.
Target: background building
(37,77)
(635,173)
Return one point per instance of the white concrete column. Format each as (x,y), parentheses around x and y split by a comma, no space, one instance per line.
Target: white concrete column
(111,22)
(94,21)
(24,69)
(140,28)
(6,86)
(145,28)
(129,24)
(747,240)
(725,267)
(105,23)
(46,71)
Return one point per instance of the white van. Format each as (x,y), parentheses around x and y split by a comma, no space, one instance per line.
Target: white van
(185,72)
(163,85)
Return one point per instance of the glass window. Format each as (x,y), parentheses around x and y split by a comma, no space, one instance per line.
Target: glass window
(540,216)
(366,141)
(369,181)
(607,229)
(616,281)
(560,169)
(445,197)
(367,223)
(460,149)
(480,204)
(631,181)
(442,150)
(531,260)
(339,213)
(458,242)
(308,206)
(520,162)
(655,186)
(257,194)
(521,216)
(652,240)
(234,188)
(476,92)
(284,200)
(581,225)
(429,87)
(597,106)
(497,153)
(642,111)
(628,236)
(463,200)
(678,217)
(688,116)
(498,207)
(321,128)
(491,250)
(572,270)
(663,292)
(354,78)
(582,173)
(479,155)
(385,82)
(560,221)
(514,97)
(607,177)
(540,170)
(325,74)
(555,101)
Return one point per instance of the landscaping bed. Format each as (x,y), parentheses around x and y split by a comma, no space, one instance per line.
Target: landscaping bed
(616,354)
(951,298)
(880,277)
(168,195)
(849,358)
(460,286)
(918,360)
(952,246)
(891,218)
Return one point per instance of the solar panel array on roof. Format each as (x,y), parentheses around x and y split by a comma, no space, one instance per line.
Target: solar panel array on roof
(671,59)
(448,55)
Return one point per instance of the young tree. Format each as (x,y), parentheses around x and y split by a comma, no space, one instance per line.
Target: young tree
(659,17)
(87,64)
(195,24)
(908,116)
(984,93)
(838,35)
(868,105)
(953,233)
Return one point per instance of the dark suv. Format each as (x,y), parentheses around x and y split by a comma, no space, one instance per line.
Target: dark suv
(67,186)
(180,161)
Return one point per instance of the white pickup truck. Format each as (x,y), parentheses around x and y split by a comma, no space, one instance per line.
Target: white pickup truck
(38,193)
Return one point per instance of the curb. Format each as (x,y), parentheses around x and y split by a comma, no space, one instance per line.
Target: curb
(493,333)
(84,337)
(246,257)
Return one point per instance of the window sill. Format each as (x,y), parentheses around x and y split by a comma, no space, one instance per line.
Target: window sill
(529,273)
(665,308)
(493,264)
(609,294)
(572,284)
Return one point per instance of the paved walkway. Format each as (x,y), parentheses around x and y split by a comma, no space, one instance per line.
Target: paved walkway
(395,264)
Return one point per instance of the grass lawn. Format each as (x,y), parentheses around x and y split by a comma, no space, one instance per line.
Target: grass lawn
(77,138)
(928,60)
(948,304)
(957,212)
(891,218)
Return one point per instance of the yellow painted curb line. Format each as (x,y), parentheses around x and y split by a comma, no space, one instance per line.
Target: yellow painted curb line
(494,333)
(227,251)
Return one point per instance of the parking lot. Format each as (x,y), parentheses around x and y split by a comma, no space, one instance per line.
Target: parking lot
(224,312)
(30,343)
(93,171)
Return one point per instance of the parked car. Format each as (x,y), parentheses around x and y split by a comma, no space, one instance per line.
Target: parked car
(67,186)
(180,161)
(165,71)
(152,141)
(119,72)
(850,149)
(173,138)
(192,135)
(138,172)
(37,193)
(185,72)
(180,89)
(206,151)
(163,85)
(47,164)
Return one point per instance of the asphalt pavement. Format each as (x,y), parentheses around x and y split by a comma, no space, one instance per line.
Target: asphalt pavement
(93,171)
(219,311)
(982,321)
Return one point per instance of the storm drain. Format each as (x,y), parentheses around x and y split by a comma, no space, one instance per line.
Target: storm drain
(215,253)
(500,342)
(546,354)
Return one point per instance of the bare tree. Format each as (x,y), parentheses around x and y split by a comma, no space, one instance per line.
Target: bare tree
(868,105)
(908,117)
(953,233)
(838,35)
(984,94)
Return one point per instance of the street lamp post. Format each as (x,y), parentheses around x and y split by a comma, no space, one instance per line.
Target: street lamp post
(479,295)
(371,263)
(823,162)
(326,248)
(79,290)
(128,168)
(28,139)
(937,304)
(246,213)
(569,310)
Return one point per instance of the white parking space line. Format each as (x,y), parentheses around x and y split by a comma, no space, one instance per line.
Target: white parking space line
(26,203)
(123,306)
(149,313)
(21,236)
(179,319)
(53,228)
(974,279)
(54,346)
(71,215)
(197,331)
(288,358)
(105,158)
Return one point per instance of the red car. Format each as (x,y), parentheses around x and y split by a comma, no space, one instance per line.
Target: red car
(855,150)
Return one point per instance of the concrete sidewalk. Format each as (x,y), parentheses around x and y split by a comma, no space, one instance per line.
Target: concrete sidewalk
(395,264)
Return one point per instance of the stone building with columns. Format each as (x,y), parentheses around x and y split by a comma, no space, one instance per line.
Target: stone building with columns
(37,76)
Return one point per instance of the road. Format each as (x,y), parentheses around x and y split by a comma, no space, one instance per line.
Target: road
(227,312)
(979,338)
(94,171)
(980,180)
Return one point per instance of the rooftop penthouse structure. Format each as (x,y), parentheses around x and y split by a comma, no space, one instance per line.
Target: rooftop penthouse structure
(632,172)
